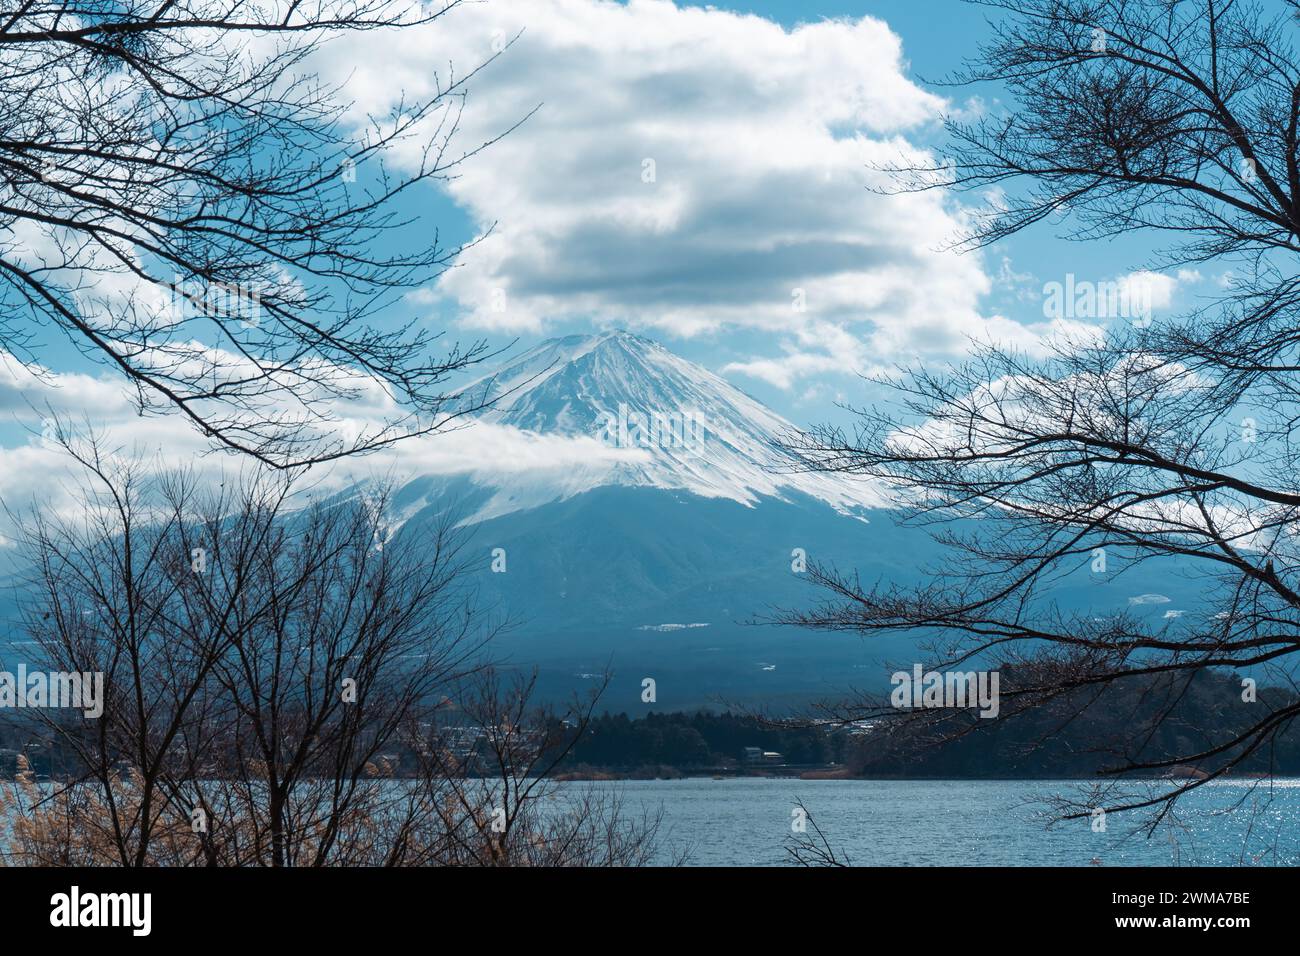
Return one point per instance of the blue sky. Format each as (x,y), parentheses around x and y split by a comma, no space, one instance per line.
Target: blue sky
(701,175)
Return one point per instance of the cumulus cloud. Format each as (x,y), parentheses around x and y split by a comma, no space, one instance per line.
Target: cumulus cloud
(690,170)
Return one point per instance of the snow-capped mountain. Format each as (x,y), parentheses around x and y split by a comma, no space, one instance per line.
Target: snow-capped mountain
(677,526)
(667,423)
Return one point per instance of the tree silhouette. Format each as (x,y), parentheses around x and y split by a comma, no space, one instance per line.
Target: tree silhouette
(1166,443)
(184,201)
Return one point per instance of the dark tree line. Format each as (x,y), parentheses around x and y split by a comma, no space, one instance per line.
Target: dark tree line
(1077,734)
(688,740)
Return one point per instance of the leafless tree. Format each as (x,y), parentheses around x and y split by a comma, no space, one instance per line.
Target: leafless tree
(1167,445)
(349,637)
(182,199)
(287,682)
(258,655)
(815,848)
(488,771)
(113,590)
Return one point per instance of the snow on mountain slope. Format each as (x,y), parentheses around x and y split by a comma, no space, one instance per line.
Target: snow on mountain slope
(675,425)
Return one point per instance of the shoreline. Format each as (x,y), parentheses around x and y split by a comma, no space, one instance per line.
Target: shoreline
(843,773)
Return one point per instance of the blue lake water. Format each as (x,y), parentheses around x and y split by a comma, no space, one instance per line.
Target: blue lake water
(746,822)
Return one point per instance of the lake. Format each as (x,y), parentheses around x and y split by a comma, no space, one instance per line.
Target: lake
(745,822)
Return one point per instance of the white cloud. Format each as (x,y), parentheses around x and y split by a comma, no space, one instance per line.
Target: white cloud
(758,140)
(1154,289)
(826,347)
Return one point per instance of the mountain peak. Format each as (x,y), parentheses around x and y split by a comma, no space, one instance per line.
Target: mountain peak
(572,384)
(573,347)
(670,422)
(622,335)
